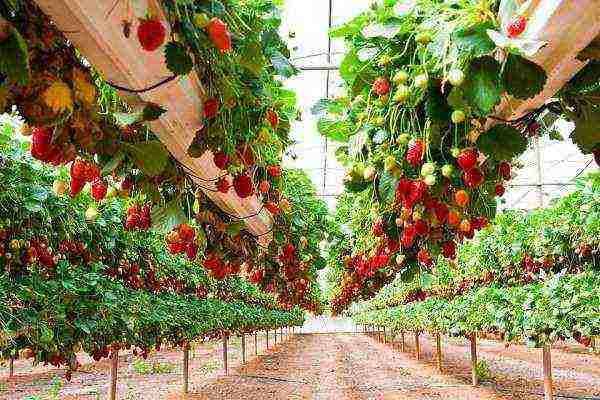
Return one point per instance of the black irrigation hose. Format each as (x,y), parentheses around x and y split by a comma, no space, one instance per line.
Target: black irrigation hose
(149,88)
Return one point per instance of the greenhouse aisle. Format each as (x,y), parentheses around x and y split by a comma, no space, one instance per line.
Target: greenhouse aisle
(336,366)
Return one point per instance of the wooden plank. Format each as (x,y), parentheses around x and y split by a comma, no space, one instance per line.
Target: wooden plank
(567,27)
(95,28)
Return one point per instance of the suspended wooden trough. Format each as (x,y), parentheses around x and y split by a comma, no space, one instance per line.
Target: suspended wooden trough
(96,30)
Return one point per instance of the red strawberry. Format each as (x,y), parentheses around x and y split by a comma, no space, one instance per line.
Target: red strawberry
(191,251)
(533,129)
(92,173)
(499,190)
(151,34)
(479,223)
(176,247)
(186,232)
(79,170)
(596,153)
(99,189)
(132,221)
(211,108)
(273,118)
(421,227)
(516,26)
(243,186)
(272,207)
(264,187)
(449,250)
(127,184)
(381,86)
(473,178)
(408,236)
(223,185)
(441,212)
(504,170)
(246,154)
(274,171)
(378,228)
(76,186)
(219,34)
(467,159)
(221,160)
(289,249)
(41,143)
(414,154)
(424,258)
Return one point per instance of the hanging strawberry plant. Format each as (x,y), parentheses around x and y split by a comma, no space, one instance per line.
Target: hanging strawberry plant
(419,133)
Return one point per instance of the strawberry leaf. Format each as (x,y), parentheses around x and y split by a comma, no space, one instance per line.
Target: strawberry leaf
(523,78)
(482,87)
(502,142)
(586,134)
(178,60)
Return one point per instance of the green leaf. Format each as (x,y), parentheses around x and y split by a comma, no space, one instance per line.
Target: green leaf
(387,187)
(523,79)
(166,218)
(387,30)
(282,65)
(112,164)
(152,112)
(14,58)
(337,130)
(426,281)
(125,119)
(178,60)
(151,157)
(482,87)
(502,142)
(591,52)
(474,42)
(587,132)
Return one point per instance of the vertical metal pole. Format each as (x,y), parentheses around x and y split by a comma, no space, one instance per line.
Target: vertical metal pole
(267,339)
(384,338)
(402,341)
(255,344)
(186,363)
(243,348)
(225,355)
(417,346)
(538,155)
(438,342)
(547,361)
(11,368)
(474,377)
(114,366)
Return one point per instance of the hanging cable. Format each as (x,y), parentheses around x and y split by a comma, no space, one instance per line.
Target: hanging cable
(149,88)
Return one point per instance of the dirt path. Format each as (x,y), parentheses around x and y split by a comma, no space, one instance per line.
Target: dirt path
(334,367)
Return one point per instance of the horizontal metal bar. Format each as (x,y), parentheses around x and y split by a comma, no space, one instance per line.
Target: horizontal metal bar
(318,67)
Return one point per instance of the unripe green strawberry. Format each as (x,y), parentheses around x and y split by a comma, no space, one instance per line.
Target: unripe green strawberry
(456,77)
(423,38)
(400,259)
(430,180)
(400,77)
(402,94)
(455,152)
(399,222)
(427,169)
(369,173)
(379,121)
(390,163)
(403,139)
(447,170)
(91,214)
(421,81)
(458,116)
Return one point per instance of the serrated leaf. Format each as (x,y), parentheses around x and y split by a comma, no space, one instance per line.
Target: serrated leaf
(502,142)
(387,187)
(177,58)
(152,112)
(282,65)
(112,164)
(151,157)
(523,79)
(167,217)
(14,58)
(475,41)
(337,130)
(387,30)
(587,133)
(482,87)
(125,119)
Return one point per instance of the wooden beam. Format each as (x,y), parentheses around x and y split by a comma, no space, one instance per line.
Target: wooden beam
(567,27)
(95,28)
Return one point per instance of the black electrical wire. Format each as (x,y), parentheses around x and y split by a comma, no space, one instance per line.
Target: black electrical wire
(149,88)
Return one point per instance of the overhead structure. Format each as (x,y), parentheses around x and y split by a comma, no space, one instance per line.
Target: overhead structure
(96,30)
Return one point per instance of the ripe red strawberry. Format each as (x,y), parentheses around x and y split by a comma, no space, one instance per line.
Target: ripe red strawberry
(127,184)
(243,186)
(191,251)
(79,170)
(467,159)
(414,154)
(516,26)
(421,227)
(132,221)
(504,170)
(41,143)
(210,108)
(449,250)
(378,228)
(289,249)
(272,207)
(223,185)
(273,118)
(151,34)
(499,190)
(441,212)
(76,186)
(473,178)
(479,223)
(274,171)
(176,247)
(264,187)
(533,129)
(381,86)
(99,189)
(424,258)
(408,236)
(218,32)
(221,160)
(186,232)
(596,153)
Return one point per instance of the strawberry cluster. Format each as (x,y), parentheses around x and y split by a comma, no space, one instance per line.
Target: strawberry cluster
(138,217)
(82,172)
(219,268)
(182,240)
(44,149)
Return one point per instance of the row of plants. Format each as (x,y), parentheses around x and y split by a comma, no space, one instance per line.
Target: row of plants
(75,118)
(75,277)
(516,249)
(559,307)
(426,156)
